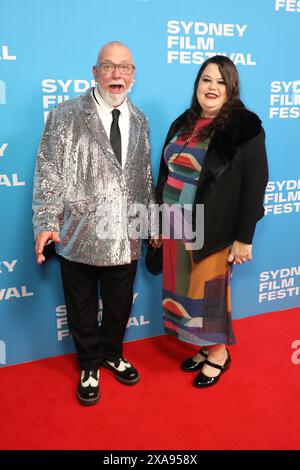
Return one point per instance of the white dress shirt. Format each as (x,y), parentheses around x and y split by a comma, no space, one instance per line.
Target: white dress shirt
(105,113)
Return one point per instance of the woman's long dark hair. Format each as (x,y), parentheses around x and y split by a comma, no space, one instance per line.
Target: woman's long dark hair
(230,76)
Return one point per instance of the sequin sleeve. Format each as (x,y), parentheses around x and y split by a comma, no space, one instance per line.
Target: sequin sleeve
(150,190)
(48,192)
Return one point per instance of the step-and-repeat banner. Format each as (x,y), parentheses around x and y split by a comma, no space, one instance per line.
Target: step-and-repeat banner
(47,50)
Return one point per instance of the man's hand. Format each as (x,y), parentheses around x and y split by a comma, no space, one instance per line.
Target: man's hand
(44,238)
(240,252)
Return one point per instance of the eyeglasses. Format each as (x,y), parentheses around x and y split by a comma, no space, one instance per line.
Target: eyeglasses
(107,68)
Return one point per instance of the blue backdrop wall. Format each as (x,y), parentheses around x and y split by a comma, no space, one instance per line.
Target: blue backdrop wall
(47,50)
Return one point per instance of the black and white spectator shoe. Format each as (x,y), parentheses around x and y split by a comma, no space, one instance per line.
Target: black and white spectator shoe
(88,390)
(123,370)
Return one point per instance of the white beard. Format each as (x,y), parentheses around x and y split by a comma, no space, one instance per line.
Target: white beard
(112,99)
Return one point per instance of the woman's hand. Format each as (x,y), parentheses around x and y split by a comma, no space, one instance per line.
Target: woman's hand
(240,252)
(155,242)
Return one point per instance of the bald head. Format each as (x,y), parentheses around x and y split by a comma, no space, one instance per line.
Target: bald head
(116,50)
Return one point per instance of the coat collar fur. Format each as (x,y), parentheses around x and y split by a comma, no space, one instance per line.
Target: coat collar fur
(224,144)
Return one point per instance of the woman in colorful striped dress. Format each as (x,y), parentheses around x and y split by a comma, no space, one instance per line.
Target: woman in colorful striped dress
(214,156)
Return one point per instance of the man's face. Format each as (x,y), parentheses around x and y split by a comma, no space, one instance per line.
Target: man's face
(114,86)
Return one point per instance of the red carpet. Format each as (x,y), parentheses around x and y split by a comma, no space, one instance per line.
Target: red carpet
(255,405)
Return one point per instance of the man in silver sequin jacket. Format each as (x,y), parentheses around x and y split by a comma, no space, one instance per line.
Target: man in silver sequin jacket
(89,172)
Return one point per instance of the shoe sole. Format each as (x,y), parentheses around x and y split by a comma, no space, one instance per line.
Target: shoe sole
(120,379)
(87,402)
(212,384)
(127,382)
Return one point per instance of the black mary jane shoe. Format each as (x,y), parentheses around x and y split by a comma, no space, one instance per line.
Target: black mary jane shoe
(189,365)
(202,380)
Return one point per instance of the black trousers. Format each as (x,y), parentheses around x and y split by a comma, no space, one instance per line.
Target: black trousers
(95,343)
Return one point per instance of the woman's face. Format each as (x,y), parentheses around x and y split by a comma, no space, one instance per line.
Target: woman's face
(211,91)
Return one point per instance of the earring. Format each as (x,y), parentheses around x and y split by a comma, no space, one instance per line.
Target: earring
(131,85)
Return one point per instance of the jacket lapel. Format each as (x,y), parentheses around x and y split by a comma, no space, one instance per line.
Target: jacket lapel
(220,153)
(134,133)
(223,147)
(96,127)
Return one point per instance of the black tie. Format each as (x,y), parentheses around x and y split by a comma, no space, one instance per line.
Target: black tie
(115,135)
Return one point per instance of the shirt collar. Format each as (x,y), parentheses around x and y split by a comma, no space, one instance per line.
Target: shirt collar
(105,107)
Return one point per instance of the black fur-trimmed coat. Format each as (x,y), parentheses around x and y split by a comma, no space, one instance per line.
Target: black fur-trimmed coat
(231,184)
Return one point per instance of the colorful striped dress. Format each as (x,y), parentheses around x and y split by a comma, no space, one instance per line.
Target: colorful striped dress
(196,296)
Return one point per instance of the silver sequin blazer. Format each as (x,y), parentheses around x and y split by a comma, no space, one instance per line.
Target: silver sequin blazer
(79,185)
